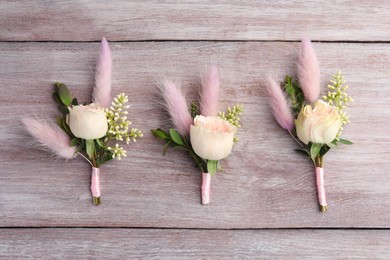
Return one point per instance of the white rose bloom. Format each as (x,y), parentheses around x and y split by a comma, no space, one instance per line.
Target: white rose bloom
(212,137)
(319,125)
(87,122)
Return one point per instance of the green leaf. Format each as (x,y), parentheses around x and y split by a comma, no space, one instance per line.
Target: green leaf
(99,143)
(194,110)
(159,133)
(63,93)
(65,127)
(302,151)
(212,166)
(90,147)
(79,148)
(315,150)
(294,93)
(324,150)
(59,121)
(63,109)
(166,146)
(175,136)
(56,98)
(75,102)
(106,157)
(187,144)
(74,141)
(345,141)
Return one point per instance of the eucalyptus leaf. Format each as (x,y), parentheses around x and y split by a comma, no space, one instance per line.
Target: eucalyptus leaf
(345,141)
(63,93)
(175,136)
(90,148)
(212,166)
(315,150)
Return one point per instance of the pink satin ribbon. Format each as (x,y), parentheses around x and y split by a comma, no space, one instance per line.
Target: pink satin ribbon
(320,186)
(95,182)
(206,180)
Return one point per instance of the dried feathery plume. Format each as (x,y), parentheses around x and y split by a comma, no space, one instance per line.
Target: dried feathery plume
(309,71)
(209,93)
(176,105)
(102,91)
(51,137)
(279,105)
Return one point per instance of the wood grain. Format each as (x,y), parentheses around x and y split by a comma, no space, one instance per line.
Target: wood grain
(264,183)
(122,20)
(193,244)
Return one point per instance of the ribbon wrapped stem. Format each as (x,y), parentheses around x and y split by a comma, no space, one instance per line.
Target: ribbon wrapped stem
(206,181)
(95,185)
(321,189)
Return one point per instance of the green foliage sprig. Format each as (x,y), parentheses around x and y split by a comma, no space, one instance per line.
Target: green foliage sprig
(336,97)
(294,93)
(174,140)
(99,151)
(232,115)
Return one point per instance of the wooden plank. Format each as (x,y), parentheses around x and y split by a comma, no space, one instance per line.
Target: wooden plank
(193,244)
(265,184)
(194,20)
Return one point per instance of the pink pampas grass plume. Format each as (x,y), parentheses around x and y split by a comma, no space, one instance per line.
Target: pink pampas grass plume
(51,137)
(102,92)
(209,93)
(309,71)
(279,105)
(176,105)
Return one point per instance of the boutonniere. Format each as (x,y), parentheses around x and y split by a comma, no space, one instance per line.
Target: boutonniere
(92,131)
(206,134)
(315,124)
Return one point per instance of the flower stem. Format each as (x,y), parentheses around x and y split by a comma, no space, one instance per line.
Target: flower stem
(323,208)
(295,139)
(319,161)
(96,201)
(206,180)
(95,186)
(320,184)
(82,155)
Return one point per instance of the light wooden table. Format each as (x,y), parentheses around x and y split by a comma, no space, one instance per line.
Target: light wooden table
(264,203)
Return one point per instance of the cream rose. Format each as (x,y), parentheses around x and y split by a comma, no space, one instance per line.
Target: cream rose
(87,122)
(320,124)
(212,137)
